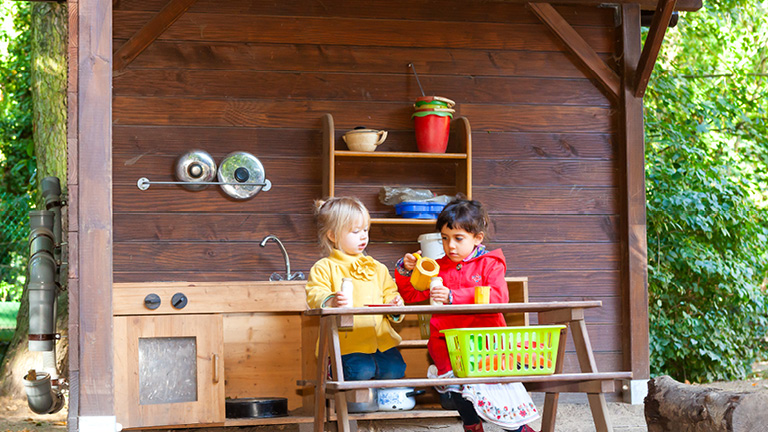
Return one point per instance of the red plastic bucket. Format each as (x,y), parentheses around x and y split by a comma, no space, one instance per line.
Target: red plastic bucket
(432,132)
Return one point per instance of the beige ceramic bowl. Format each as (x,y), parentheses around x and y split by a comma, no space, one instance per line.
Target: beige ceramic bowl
(364,139)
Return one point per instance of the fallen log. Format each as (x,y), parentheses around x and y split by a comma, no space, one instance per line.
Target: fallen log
(673,406)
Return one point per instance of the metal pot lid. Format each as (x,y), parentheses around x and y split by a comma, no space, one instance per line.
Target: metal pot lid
(246,173)
(195,166)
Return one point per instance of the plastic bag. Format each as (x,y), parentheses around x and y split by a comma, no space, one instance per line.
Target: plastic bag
(395,195)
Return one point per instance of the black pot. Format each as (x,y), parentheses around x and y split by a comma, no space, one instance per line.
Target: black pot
(256,407)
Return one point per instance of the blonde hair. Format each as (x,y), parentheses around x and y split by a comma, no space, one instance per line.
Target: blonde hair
(336,215)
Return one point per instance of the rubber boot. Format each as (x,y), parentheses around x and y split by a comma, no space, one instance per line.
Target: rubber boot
(477,427)
(523,428)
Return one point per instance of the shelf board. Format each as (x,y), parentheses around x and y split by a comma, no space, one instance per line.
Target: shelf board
(402,221)
(378,415)
(401,155)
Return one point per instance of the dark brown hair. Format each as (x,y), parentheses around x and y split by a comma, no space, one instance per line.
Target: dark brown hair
(466,214)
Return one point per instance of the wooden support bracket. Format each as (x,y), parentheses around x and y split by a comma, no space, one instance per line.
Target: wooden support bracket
(151,31)
(578,46)
(653,45)
(594,386)
(560,316)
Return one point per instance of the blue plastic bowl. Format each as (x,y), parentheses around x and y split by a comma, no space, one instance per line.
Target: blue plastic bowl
(418,209)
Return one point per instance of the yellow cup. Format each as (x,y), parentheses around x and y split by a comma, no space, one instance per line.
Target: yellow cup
(425,269)
(482,294)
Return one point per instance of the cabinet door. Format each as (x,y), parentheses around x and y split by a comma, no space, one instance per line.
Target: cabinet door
(169,370)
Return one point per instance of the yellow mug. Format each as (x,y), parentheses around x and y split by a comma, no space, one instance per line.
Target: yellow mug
(425,270)
(482,294)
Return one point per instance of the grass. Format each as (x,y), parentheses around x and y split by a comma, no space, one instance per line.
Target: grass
(8,312)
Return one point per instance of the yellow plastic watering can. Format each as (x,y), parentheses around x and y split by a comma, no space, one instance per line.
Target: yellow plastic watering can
(425,269)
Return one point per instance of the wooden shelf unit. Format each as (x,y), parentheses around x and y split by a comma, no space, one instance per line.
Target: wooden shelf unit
(463,158)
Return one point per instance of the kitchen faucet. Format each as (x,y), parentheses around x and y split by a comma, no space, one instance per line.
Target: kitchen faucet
(277,276)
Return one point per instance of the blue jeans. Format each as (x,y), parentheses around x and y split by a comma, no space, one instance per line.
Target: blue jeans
(379,365)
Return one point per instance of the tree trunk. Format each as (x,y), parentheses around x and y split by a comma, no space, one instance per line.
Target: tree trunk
(49,94)
(672,406)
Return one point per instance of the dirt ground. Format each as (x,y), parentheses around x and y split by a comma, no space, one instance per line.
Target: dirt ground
(573,415)
(15,416)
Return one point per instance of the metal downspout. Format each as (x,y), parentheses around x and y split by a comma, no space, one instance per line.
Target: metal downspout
(42,286)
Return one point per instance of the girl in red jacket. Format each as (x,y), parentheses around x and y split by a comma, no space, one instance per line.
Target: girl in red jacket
(463,225)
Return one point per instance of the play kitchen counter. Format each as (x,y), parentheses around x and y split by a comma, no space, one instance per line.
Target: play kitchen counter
(251,341)
(589,381)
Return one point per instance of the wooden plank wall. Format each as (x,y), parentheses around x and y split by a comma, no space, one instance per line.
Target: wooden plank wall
(257,75)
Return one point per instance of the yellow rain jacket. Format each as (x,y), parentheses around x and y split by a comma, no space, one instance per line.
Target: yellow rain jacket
(372,285)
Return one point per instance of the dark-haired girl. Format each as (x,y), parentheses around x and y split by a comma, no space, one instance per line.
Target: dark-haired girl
(463,225)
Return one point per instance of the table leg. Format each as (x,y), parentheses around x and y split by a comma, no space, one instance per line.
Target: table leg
(322,373)
(550,412)
(599,412)
(551,399)
(588,364)
(337,371)
(342,415)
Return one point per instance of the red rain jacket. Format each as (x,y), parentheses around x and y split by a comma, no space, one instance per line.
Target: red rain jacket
(461,278)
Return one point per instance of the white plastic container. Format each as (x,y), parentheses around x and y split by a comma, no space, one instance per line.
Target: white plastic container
(348,288)
(435,282)
(431,245)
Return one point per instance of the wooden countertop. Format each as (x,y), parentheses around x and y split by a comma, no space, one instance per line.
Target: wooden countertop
(211,297)
(458,309)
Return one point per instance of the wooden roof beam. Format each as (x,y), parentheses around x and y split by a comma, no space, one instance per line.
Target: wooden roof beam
(151,31)
(652,45)
(682,5)
(578,46)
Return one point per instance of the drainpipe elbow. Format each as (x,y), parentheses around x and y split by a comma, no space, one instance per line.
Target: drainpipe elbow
(41,397)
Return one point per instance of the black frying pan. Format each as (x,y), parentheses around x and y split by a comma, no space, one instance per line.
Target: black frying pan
(256,407)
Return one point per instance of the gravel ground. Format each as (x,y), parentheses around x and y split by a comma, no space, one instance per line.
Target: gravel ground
(573,415)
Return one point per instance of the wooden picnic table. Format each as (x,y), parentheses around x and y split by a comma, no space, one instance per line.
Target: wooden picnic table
(571,313)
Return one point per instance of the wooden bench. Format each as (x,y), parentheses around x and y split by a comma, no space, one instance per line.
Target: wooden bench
(595,384)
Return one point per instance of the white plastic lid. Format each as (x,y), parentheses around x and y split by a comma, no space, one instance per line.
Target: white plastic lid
(430,236)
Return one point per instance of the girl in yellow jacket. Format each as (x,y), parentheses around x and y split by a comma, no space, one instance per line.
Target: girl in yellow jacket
(369,350)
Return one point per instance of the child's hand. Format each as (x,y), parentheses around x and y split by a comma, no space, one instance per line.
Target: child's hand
(439,294)
(340,300)
(409,261)
(397,301)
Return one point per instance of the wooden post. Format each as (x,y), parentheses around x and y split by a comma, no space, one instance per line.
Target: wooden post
(634,253)
(90,276)
(72,217)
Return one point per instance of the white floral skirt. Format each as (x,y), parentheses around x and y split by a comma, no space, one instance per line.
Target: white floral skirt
(507,405)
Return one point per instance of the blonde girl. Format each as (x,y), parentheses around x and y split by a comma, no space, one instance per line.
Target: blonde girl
(369,350)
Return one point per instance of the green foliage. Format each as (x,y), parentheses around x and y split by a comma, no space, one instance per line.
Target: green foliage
(17,159)
(706,176)
(14,233)
(18,167)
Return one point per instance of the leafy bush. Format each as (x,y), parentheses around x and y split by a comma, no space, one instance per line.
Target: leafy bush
(14,232)
(706,183)
(17,157)
(17,161)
